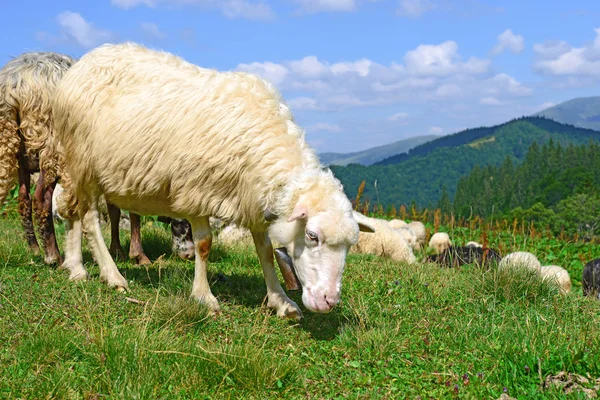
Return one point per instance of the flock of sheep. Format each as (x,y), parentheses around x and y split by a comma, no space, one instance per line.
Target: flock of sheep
(126,127)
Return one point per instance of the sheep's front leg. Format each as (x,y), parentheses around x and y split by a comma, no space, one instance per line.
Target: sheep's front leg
(136,251)
(114,214)
(73,257)
(278,300)
(108,269)
(43,209)
(202,242)
(25,206)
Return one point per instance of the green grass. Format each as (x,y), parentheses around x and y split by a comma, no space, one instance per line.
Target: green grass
(399,332)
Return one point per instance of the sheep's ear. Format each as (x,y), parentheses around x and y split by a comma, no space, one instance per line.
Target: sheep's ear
(365,227)
(300,212)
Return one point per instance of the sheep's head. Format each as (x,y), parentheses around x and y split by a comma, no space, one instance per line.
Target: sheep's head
(318,234)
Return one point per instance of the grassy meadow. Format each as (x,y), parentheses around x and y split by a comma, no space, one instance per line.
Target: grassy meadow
(399,331)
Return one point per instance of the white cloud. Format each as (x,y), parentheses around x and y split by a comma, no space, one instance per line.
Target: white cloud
(558,58)
(398,116)
(414,8)
(313,6)
(442,59)
(323,127)
(490,101)
(507,40)
(152,30)
(435,130)
(252,10)
(429,74)
(75,29)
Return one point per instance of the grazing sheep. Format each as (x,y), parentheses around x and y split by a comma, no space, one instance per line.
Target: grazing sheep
(384,242)
(439,242)
(397,223)
(520,259)
(418,229)
(407,234)
(473,244)
(157,135)
(233,235)
(559,275)
(456,256)
(590,281)
(27,85)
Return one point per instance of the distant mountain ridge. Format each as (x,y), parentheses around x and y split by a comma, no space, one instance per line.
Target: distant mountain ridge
(374,154)
(583,112)
(421,174)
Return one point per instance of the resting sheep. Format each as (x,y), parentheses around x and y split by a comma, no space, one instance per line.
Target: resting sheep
(27,85)
(559,275)
(590,281)
(418,229)
(520,259)
(384,242)
(397,223)
(157,135)
(439,242)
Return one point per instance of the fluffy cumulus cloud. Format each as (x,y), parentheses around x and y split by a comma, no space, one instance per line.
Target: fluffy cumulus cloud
(558,58)
(252,10)
(508,40)
(75,29)
(429,73)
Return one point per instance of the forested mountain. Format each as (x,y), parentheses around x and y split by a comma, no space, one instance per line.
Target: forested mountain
(583,112)
(375,154)
(554,186)
(422,174)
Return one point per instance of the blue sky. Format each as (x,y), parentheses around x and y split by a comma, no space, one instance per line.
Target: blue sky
(356,73)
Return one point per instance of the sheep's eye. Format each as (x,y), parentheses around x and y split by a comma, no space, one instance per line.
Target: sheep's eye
(312,236)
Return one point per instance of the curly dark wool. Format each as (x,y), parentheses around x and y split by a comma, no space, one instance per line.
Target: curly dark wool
(455,256)
(590,281)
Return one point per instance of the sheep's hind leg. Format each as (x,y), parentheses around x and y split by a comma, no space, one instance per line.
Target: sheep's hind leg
(73,257)
(43,210)
(25,207)
(108,269)
(136,251)
(202,242)
(278,300)
(116,250)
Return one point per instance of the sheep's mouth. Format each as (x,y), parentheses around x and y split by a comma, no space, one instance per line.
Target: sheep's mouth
(286,266)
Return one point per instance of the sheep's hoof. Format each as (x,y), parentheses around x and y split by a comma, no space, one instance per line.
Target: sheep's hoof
(285,307)
(210,302)
(78,275)
(117,253)
(141,259)
(52,260)
(117,282)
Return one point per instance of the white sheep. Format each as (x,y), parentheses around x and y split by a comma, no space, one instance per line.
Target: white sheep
(520,259)
(233,235)
(384,242)
(157,135)
(473,244)
(397,223)
(439,242)
(418,229)
(558,275)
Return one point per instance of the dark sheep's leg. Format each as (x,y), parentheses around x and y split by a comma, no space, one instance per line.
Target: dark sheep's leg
(25,207)
(116,250)
(136,251)
(42,198)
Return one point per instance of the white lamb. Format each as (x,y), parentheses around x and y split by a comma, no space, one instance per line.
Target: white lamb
(440,242)
(558,275)
(418,229)
(397,223)
(384,242)
(157,135)
(520,259)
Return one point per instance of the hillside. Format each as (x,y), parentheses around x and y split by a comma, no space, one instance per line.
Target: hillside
(422,174)
(583,112)
(375,154)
